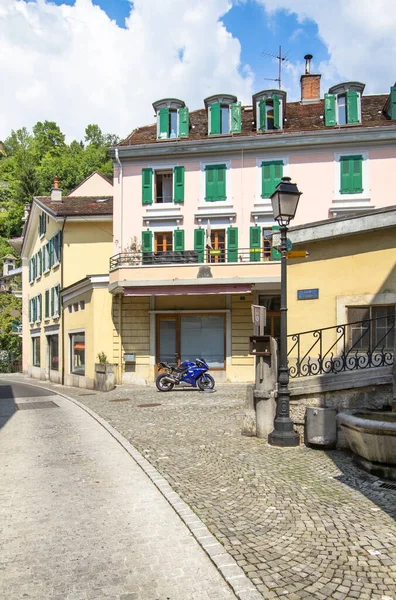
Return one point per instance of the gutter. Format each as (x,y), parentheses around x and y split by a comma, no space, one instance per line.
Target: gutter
(121,195)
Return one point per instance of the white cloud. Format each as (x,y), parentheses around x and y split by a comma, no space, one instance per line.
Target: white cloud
(359,35)
(73,65)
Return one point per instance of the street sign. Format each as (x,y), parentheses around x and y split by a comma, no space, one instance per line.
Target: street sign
(289,245)
(298,254)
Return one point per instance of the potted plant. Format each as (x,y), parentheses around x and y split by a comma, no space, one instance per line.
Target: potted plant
(104,374)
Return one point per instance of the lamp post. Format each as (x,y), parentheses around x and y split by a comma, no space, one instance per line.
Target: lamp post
(284,205)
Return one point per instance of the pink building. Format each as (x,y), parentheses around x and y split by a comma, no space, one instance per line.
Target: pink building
(193,218)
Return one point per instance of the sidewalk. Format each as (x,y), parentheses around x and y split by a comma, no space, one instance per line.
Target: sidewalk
(302,524)
(81,520)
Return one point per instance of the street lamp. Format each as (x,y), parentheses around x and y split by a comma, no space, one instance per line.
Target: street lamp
(284,205)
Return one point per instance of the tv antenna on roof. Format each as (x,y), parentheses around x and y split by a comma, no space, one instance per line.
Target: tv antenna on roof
(280,60)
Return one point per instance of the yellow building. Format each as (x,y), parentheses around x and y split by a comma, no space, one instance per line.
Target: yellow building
(67,241)
(348,278)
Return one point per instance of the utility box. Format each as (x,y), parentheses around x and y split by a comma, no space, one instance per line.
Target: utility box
(321,427)
(260,345)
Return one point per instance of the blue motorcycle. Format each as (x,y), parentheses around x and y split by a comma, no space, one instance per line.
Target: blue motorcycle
(194,374)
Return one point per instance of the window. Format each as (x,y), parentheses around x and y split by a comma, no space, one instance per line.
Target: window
(168,185)
(77,359)
(271,174)
(46,261)
(172,122)
(53,348)
(42,224)
(56,248)
(269,112)
(343,106)
(36,351)
(351,174)
(55,301)
(216,249)
(163,187)
(163,242)
(371,327)
(261,248)
(215,176)
(225,118)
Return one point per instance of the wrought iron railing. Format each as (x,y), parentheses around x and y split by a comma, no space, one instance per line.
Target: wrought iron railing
(208,256)
(348,347)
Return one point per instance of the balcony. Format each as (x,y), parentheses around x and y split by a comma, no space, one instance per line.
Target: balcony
(237,266)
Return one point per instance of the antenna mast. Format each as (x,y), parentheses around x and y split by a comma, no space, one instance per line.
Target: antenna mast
(280,59)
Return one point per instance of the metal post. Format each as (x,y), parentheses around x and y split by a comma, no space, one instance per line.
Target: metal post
(283,433)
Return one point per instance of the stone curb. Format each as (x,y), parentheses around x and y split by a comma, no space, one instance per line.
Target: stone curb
(235,577)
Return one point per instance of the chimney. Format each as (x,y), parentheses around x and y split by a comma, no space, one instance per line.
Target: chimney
(56,193)
(310,84)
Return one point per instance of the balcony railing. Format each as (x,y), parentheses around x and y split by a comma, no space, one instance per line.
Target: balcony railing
(207,256)
(349,347)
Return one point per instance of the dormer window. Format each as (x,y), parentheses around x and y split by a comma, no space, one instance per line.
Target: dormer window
(342,104)
(269,107)
(224,114)
(390,104)
(172,119)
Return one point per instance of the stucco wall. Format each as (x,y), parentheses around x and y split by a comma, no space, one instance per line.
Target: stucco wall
(87,248)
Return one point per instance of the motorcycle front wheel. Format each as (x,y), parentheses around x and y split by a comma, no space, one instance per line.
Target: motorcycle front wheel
(162,385)
(206,382)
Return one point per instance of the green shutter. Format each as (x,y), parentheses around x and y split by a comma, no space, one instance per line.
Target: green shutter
(59,299)
(30,311)
(51,249)
(199,244)
(47,310)
(178,240)
(352,100)
(34,308)
(221,183)
(275,254)
(232,244)
(357,175)
(30,270)
(184,124)
(263,114)
(163,132)
(210,187)
(147,186)
(236,117)
(346,175)
(52,301)
(276,102)
(271,174)
(59,245)
(330,110)
(147,241)
(40,307)
(255,244)
(178,184)
(392,112)
(215,112)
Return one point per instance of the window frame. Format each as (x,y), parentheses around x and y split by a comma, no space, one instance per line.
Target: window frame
(34,339)
(272,158)
(357,200)
(218,204)
(373,334)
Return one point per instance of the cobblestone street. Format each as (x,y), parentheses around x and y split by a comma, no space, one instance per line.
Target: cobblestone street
(301,523)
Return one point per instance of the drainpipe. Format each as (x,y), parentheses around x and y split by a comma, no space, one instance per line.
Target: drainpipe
(62,313)
(121,198)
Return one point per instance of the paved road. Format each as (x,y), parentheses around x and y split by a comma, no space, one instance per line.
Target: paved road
(79,519)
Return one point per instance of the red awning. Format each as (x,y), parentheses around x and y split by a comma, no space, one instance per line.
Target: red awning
(188,290)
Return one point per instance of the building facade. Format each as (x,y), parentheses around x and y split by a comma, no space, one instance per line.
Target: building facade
(193,221)
(65,240)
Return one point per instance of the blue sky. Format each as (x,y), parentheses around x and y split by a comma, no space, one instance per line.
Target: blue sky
(67,61)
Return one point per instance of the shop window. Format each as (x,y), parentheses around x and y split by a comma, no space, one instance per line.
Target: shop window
(36,351)
(53,347)
(77,359)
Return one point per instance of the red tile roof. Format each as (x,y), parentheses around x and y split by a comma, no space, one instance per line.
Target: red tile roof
(78,205)
(298,117)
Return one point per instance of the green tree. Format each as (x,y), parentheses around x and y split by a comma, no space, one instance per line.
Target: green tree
(19,140)
(10,344)
(48,139)
(94,135)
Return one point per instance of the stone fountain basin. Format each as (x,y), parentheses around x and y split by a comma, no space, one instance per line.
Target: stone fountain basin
(371,435)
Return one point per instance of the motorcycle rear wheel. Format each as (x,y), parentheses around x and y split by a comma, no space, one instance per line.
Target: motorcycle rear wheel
(163,386)
(206,382)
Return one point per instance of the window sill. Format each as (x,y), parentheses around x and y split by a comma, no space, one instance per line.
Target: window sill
(46,272)
(165,206)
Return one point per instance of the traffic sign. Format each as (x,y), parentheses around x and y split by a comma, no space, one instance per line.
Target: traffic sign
(298,254)
(289,245)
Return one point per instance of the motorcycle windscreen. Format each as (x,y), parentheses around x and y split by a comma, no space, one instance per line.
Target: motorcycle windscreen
(203,336)
(167,341)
